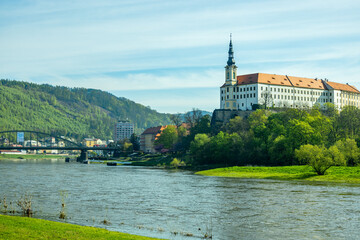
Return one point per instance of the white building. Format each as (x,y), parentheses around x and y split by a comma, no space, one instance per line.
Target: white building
(123,130)
(244,91)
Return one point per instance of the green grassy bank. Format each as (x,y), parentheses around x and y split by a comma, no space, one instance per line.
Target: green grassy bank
(28,228)
(306,173)
(30,156)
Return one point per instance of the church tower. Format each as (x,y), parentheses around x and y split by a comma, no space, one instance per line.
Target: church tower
(227,94)
(230,68)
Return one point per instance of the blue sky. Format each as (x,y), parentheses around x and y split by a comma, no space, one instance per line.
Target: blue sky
(170,55)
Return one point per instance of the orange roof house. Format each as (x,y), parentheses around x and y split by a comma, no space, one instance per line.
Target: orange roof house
(148,137)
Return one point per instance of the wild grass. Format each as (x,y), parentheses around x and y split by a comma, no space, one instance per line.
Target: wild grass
(306,173)
(25,204)
(14,228)
(63,195)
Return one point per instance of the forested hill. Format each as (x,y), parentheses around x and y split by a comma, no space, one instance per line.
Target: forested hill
(73,112)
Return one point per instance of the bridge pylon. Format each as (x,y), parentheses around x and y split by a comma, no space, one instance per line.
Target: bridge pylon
(83,155)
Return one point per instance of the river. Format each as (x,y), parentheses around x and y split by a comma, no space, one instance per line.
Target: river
(181,205)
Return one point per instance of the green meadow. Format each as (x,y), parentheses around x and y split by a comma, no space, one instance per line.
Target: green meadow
(305,173)
(14,228)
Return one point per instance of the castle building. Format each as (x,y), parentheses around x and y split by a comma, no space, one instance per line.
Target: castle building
(245,92)
(123,130)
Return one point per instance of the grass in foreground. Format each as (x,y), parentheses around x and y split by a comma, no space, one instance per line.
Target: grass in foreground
(334,174)
(28,228)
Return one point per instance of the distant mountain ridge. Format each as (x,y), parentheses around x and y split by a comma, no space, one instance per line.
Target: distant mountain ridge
(73,112)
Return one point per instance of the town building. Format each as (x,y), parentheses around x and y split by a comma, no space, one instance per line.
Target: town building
(123,130)
(148,137)
(91,142)
(246,92)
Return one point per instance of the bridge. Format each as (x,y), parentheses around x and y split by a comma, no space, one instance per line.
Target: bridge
(73,145)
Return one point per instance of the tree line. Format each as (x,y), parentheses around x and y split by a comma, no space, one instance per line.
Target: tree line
(316,136)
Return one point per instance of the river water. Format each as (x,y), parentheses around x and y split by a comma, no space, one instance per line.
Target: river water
(181,205)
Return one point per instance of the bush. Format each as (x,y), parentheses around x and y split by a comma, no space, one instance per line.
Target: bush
(175,163)
(320,158)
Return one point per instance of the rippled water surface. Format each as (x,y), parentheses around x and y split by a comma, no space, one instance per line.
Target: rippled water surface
(180,205)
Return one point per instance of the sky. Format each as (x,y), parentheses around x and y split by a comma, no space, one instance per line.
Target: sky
(170,55)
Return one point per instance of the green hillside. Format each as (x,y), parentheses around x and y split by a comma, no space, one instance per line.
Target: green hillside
(73,112)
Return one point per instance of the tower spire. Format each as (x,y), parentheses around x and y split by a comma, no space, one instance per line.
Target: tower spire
(231,60)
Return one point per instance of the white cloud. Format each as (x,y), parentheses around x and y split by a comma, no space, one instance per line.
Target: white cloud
(143,81)
(78,43)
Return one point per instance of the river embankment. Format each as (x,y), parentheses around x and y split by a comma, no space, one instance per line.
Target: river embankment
(13,227)
(31,156)
(304,173)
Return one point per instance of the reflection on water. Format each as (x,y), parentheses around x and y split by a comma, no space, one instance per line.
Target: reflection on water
(162,203)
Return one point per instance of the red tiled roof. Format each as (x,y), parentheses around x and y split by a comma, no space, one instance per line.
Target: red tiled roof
(281,80)
(263,78)
(343,87)
(284,80)
(152,130)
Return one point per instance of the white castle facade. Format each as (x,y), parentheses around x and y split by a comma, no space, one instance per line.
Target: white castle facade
(271,90)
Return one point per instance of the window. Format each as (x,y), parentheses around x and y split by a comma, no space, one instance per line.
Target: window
(270,89)
(242,104)
(222,91)
(254,88)
(240,89)
(254,94)
(247,89)
(247,95)
(234,89)
(237,89)
(222,98)
(227,89)
(237,96)
(261,88)
(227,104)
(250,88)
(250,95)
(228,75)
(282,90)
(227,96)
(233,75)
